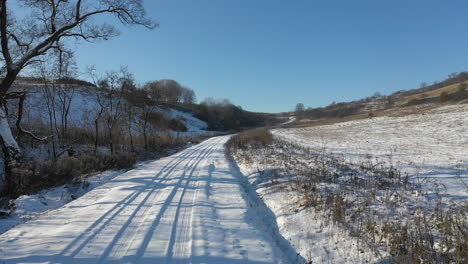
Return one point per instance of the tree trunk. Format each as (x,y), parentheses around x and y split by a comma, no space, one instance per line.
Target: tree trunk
(111,140)
(132,148)
(145,136)
(12,155)
(96,139)
(7,82)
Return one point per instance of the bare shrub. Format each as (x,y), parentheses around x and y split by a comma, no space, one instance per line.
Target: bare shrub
(443,97)
(177,125)
(251,138)
(35,176)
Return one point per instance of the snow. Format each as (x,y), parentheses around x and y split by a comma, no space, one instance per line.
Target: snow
(313,237)
(32,206)
(9,141)
(191,207)
(429,146)
(291,119)
(192,123)
(5,132)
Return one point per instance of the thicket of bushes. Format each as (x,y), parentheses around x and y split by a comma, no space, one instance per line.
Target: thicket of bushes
(251,138)
(34,176)
(224,116)
(73,165)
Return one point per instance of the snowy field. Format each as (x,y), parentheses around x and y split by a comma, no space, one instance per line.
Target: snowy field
(314,237)
(309,233)
(432,147)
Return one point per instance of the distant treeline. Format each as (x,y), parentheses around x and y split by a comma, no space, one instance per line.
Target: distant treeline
(453,78)
(64,80)
(223,115)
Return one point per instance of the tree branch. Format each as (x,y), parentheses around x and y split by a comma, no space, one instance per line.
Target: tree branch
(22,97)
(4,35)
(53,15)
(16,39)
(128,12)
(78,9)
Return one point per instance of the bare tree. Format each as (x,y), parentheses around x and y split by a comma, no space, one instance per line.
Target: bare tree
(299,110)
(56,76)
(101,86)
(188,96)
(145,109)
(130,118)
(169,91)
(24,42)
(49,93)
(99,100)
(114,86)
(66,92)
(129,89)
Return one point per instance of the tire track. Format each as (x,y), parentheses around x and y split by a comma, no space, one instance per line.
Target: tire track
(148,237)
(118,250)
(102,222)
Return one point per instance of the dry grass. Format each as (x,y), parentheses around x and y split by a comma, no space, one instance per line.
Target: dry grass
(450,89)
(391,112)
(413,104)
(251,138)
(373,201)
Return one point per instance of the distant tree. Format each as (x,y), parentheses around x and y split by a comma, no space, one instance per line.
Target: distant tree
(169,91)
(423,85)
(153,89)
(188,96)
(452,75)
(210,101)
(299,110)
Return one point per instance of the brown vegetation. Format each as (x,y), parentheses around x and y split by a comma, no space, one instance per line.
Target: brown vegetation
(373,200)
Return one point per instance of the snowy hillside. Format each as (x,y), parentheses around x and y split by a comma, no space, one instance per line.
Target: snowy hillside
(431,145)
(83,121)
(84,105)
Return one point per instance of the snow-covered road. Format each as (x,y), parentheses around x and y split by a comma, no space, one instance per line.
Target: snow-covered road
(192,207)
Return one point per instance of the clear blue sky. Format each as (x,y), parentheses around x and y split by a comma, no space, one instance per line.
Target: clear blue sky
(268,55)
